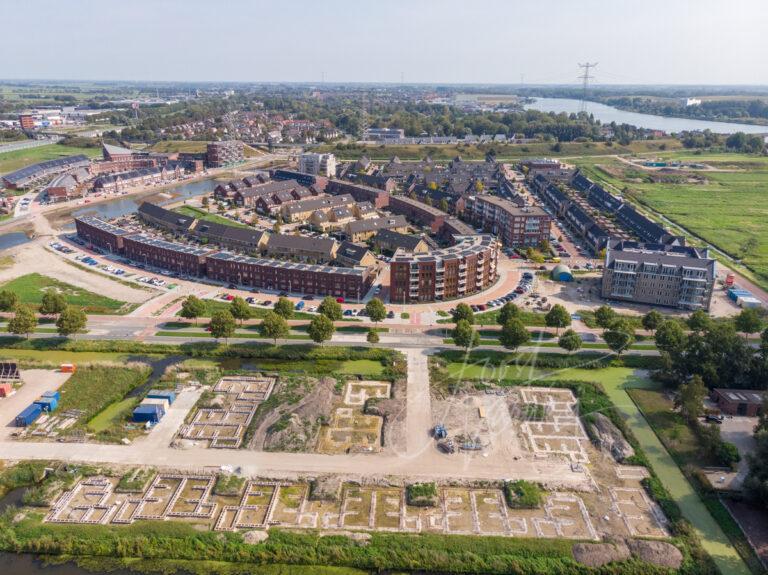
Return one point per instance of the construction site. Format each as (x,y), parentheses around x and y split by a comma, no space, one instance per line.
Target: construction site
(261,504)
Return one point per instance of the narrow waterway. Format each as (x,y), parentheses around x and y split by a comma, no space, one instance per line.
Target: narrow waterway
(12,239)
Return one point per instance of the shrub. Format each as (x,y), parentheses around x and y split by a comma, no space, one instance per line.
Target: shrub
(422,494)
(522,494)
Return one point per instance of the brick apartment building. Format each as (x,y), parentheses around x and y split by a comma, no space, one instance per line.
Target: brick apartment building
(100,233)
(516,227)
(349,283)
(225,153)
(179,258)
(415,211)
(468,267)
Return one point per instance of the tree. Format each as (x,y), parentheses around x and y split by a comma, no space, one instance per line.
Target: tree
(274,326)
(690,400)
(756,482)
(23,321)
(206,203)
(557,317)
(570,341)
(444,205)
(699,321)
(605,316)
(284,308)
(464,335)
(372,336)
(507,312)
(71,320)
(330,308)
(670,337)
(513,334)
(222,324)
(192,308)
(376,310)
(619,336)
(53,303)
(463,312)
(8,300)
(748,322)
(321,329)
(652,320)
(240,309)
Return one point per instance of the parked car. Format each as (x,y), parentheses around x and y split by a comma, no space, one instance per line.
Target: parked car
(339,300)
(299,305)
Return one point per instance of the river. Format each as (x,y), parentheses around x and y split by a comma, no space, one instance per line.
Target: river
(608,114)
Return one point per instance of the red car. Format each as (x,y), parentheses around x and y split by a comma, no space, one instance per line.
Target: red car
(229,297)
(339,300)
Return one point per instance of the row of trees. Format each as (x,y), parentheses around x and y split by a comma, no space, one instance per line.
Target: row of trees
(70,320)
(274,325)
(513,333)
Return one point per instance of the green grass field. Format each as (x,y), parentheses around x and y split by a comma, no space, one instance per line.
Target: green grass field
(112,413)
(10,161)
(208,217)
(31,287)
(727,209)
(93,388)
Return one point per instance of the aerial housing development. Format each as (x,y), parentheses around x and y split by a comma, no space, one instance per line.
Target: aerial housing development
(350,325)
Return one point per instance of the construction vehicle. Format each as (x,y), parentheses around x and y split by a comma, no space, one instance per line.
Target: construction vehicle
(439,431)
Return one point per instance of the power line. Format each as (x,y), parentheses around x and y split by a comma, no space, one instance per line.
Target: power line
(585,78)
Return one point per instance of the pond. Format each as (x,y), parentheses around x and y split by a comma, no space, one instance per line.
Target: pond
(128,205)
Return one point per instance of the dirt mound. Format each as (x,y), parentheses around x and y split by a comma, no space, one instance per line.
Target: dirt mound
(294,426)
(656,553)
(609,438)
(599,554)
(325,488)
(393,412)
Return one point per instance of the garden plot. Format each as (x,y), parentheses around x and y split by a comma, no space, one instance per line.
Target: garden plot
(358,392)
(561,432)
(349,430)
(236,399)
(264,504)
(642,516)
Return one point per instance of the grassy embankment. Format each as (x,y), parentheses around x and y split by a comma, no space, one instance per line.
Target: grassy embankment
(503,151)
(10,161)
(30,289)
(204,215)
(192,147)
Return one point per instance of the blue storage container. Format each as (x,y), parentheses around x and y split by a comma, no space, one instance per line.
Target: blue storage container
(162,394)
(147,413)
(29,415)
(54,393)
(47,403)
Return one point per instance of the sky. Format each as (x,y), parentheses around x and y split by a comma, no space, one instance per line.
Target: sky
(415,41)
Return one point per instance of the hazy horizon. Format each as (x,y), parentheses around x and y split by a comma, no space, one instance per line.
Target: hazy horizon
(449,42)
